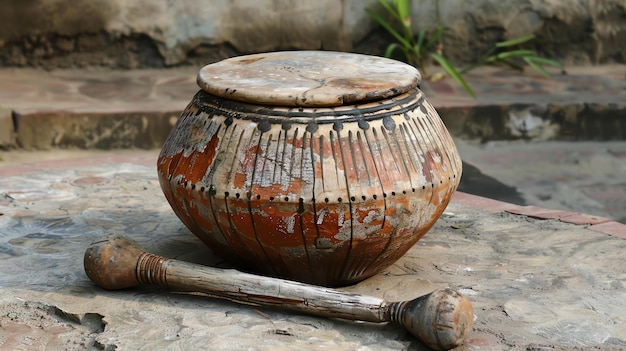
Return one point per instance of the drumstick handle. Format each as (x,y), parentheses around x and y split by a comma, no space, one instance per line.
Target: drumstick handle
(441,319)
(257,290)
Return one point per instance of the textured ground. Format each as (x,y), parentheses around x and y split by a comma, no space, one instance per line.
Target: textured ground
(539,278)
(534,283)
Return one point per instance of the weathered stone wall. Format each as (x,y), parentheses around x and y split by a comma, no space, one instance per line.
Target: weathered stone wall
(158,33)
(573,31)
(135,33)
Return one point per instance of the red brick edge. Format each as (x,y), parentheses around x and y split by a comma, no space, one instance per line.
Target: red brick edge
(595,223)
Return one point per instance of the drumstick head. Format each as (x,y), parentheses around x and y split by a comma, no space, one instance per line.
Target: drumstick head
(442,319)
(110,262)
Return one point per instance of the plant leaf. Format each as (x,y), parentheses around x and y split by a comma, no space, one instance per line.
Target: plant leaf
(420,40)
(387,5)
(404,11)
(515,41)
(391,48)
(389,28)
(512,53)
(435,37)
(545,61)
(451,70)
(511,65)
(537,66)
(392,9)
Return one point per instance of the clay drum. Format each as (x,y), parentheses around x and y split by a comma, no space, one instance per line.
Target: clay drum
(320,167)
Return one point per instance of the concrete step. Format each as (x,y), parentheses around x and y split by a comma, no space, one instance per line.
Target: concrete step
(108,109)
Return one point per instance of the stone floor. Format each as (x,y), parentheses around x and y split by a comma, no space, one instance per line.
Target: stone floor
(581,176)
(535,283)
(543,276)
(120,109)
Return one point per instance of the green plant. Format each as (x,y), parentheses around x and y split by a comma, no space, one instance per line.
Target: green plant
(419,50)
(498,54)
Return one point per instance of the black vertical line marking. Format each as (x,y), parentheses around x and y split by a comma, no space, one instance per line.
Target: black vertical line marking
(432,117)
(418,142)
(436,143)
(426,166)
(301,200)
(283,167)
(389,141)
(378,172)
(219,225)
(232,225)
(264,159)
(416,149)
(290,171)
(278,166)
(407,163)
(210,169)
(362,147)
(233,166)
(353,156)
(334,153)
(193,220)
(417,153)
(369,145)
(302,150)
(353,216)
(212,199)
(315,213)
(393,154)
(436,132)
(401,154)
(256,234)
(236,142)
(321,138)
(342,272)
(448,140)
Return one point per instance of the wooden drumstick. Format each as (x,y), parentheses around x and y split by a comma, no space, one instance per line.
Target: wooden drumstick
(441,319)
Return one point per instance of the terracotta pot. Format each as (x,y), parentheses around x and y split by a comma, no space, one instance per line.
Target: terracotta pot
(320,167)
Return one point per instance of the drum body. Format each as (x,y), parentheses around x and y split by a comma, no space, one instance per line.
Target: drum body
(328,195)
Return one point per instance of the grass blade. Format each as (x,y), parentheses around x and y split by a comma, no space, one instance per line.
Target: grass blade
(390,49)
(387,5)
(512,53)
(545,61)
(451,70)
(404,11)
(388,27)
(435,37)
(511,65)
(515,41)
(537,66)
(420,39)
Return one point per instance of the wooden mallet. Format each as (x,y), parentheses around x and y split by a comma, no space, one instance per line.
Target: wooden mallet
(441,319)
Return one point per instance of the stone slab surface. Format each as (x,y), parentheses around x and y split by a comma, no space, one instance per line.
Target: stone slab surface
(96,90)
(534,283)
(32,91)
(585,177)
(136,108)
